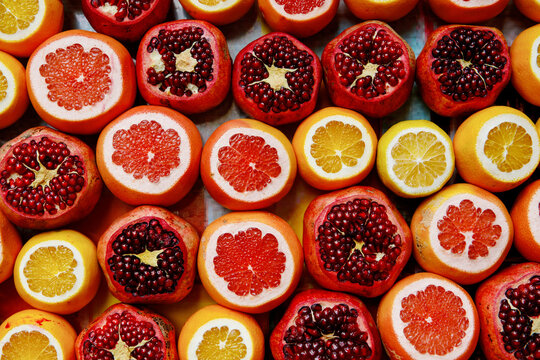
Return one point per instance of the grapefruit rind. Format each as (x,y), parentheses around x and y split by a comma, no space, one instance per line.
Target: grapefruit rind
(11,88)
(39,18)
(32,328)
(299,17)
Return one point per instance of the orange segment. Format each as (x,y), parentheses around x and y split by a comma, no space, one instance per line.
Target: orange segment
(509,146)
(29,345)
(17,15)
(294,7)
(221,344)
(211,2)
(3,86)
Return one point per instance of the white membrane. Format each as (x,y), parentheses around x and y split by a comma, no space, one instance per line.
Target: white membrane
(23,33)
(316,12)
(214,8)
(532,216)
(30,328)
(534,56)
(10,95)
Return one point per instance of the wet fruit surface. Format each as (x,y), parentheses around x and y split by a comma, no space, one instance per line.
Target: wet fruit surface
(16,18)
(217,338)
(300,7)
(508,146)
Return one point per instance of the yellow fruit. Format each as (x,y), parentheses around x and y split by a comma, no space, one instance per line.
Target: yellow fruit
(218,12)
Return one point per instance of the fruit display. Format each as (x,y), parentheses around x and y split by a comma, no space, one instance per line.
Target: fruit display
(13,94)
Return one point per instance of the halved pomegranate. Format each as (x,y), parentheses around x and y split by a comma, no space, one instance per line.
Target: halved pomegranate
(276,79)
(148,256)
(184,64)
(355,240)
(509,308)
(320,324)
(126,332)
(463,68)
(47,179)
(369,68)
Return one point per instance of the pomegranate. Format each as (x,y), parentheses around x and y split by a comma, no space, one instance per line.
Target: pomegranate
(508,304)
(369,68)
(126,332)
(47,179)
(148,256)
(125,20)
(276,79)
(463,68)
(184,64)
(355,240)
(320,324)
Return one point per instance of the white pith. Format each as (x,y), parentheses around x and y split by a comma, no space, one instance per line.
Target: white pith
(31,328)
(144,185)
(276,184)
(215,8)
(398,325)
(345,171)
(533,217)
(314,13)
(39,86)
(24,33)
(10,91)
(462,262)
(515,175)
(266,295)
(533,58)
(220,322)
(78,271)
(475,4)
(108,9)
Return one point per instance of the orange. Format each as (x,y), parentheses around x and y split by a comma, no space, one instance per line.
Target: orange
(10,245)
(529,8)
(525,62)
(465,11)
(13,93)
(217,333)
(426,316)
(387,10)
(525,214)
(335,148)
(218,12)
(462,232)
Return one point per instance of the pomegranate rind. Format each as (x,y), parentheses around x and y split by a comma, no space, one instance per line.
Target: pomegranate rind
(327,299)
(169,189)
(222,191)
(488,298)
(86,200)
(316,214)
(90,119)
(268,223)
(465,12)
(188,243)
(524,54)
(16,100)
(216,90)
(381,105)
(526,221)
(10,245)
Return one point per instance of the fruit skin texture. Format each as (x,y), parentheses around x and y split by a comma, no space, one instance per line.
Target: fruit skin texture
(219,17)
(126,30)
(21,101)
(380,10)
(196,103)
(524,80)
(488,299)
(381,105)
(86,199)
(10,245)
(315,215)
(460,12)
(529,8)
(327,299)
(526,235)
(188,242)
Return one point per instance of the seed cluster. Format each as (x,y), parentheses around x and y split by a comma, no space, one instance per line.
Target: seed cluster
(130,9)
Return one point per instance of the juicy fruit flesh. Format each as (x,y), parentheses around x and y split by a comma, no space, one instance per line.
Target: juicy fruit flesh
(221,344)
(248,163)
(468,63)
(337,144)
(435,320)
(16,15)
(468,229)
(28,345)
(326,333)
(3,86)
(123,337)
(508,146)
(538,56)
(41,177)
(182,61)
(147,259)
(359,242)
(249,261)
(295,7)
(369,62)
(277,75)
(76,78)
(123,8)
(146,150)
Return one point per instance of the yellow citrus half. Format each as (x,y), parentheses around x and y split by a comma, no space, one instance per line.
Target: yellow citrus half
(218,12)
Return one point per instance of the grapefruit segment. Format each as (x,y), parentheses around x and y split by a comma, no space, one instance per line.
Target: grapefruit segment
(302,7)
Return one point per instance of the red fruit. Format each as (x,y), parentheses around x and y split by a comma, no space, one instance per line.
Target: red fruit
(184,64)
(463,68)
(47,179)
(149,256)
(329,324)
(125,20)
(508,305)
(369,68)
(276,79)
(126,332)
(355,240)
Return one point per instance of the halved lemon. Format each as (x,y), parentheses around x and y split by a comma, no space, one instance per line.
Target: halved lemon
(218,12)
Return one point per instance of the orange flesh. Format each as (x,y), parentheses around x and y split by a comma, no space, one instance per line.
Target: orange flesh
(76,78)
(29,345)
(3,86)
(249,261)
(17,15)
(211,2)
(466,221)
(508,146)
(435,320)
(146,149)
(221,344)
(295,7)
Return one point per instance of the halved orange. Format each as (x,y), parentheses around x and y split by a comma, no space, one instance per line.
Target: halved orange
(218,12)
(13,93)
(525,215)
(466,11)
(525,62)
(10,245)
(387,10)
(529,8)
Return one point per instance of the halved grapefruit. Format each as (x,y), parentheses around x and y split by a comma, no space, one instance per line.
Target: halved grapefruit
(525,215)
(466,11)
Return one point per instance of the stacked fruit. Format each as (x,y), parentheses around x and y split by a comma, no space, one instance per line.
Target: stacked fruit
(127,248)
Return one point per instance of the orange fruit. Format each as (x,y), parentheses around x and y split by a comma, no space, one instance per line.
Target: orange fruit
(462,232)
(27,23)
(465,11)
(247,164)
(525,62)
(215,332)
(525,215)
(218,12)
(34,334)
(298,18)
(78,81)
(13,93)
(529,8)
(497,148)
(335,148)
(388,10)
(250,261)
(10,245)
(57,271)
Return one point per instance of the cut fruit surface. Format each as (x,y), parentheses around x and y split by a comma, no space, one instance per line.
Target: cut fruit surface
(525,51)
(217,12)
(13,93)
(525,215)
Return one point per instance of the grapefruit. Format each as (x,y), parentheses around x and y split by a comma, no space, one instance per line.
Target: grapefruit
(465,11)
